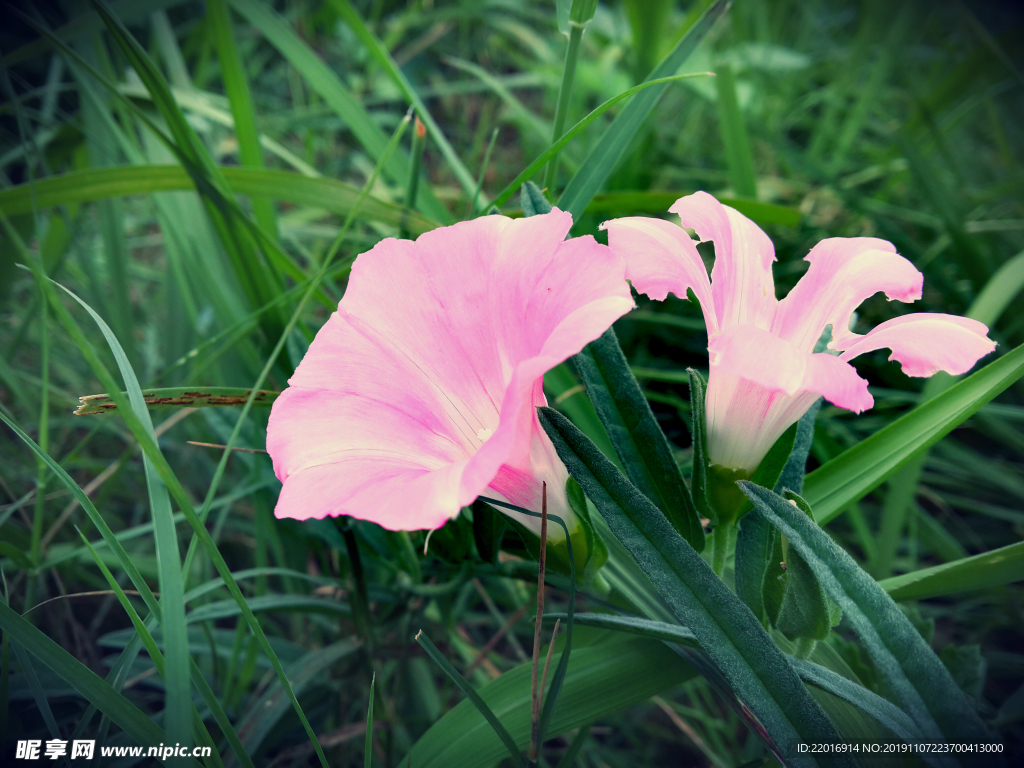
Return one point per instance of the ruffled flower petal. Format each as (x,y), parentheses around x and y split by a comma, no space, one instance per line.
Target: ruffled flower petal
(741,280)
(778,365)
(423,385)
(844,272)
(925,343)
(661,258)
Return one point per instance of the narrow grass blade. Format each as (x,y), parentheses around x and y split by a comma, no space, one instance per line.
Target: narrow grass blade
(738,156)
(989,569)
(180,397)
(602,679)
(126,715)
(177,678)
(917,678)
(727,631)
(611,147)
(453,674)
(152,451)
(862,468)
(368,743)
(639,441)
(236,85)
(266,183)
(569,135)
(383,57)
(150,645)
(318,76)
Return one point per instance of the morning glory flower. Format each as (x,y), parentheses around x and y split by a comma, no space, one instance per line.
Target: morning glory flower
(764,373)
(420,393)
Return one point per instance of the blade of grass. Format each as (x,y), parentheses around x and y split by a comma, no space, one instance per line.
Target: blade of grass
(611,147)
(738,157)
(569,135)
(989,569)
(383,57)
(126,715)
(236,85)
(368,741)
(264,183)
(317,76)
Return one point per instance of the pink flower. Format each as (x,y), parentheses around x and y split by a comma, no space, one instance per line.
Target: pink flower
(764,373)
(420,392)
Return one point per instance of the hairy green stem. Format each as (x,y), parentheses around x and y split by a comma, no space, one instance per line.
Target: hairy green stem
(719,548)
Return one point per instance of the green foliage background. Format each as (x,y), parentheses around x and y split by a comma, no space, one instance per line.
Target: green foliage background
(826,118)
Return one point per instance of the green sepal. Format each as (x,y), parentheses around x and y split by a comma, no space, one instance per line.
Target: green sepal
(533,201)
(488,529)
(760,580)
(597,550)
(701,464)
(806,611)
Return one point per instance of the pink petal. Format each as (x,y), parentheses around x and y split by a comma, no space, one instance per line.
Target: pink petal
(843,273)
(741,280)
(776,364)
(925,343)
(744,419)
(661,258)
(424,383)
(760,385)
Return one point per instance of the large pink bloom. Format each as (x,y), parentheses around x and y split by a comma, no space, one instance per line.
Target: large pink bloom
(420,392)
(764,373)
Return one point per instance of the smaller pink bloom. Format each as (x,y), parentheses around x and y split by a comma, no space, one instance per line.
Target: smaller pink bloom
(764,374)
(420,393)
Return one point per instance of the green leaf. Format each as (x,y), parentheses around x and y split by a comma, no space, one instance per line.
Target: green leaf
(639,441)
(602,678)
(612,146)
(731,636)
(989,569)
(738,156)
(180,397)
(916,677)
(264,183)
(885,712)
(865,466)
(93,688)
